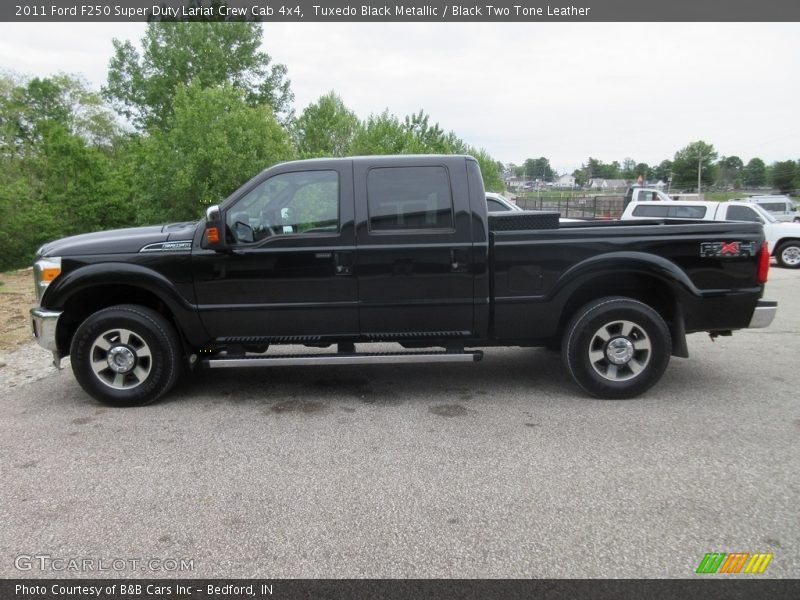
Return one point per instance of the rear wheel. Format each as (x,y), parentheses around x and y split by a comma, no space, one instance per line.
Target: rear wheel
(126,355)
(616,347)
(788,254)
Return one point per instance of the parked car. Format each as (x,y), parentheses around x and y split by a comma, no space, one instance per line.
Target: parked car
(783,239)
(781,207)
(499,203)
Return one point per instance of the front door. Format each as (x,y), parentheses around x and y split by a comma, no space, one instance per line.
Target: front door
(288,268)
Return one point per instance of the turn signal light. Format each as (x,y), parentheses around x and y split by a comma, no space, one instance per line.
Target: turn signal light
(763,264)
(50,273)
(213,235)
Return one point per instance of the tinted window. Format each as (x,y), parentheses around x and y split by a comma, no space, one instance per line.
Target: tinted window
(401,198)
(670,211)
(495,206)
(774,206)
(742,213)
(301,202)
(687,212)
(650,211)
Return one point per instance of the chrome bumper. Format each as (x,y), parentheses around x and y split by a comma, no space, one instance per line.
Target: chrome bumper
(44,323)
(763,314)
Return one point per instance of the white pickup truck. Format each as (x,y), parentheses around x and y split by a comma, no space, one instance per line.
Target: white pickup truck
(783,238)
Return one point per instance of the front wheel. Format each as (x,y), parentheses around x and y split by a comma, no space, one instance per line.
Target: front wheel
(616,347)
(126,355)
(788,254)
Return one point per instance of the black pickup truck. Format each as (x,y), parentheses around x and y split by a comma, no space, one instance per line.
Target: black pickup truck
(337,252)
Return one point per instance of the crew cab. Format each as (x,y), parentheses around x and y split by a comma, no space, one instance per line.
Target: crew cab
(783,239)
(330,253)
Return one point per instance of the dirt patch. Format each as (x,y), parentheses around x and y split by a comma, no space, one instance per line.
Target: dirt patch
(16,299)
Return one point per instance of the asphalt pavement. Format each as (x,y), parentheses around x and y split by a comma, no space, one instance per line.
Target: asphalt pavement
(497,469)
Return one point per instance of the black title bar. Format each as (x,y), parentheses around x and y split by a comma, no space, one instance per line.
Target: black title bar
(383,589)
(552,11)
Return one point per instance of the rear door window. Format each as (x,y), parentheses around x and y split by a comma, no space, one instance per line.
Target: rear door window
(409,199)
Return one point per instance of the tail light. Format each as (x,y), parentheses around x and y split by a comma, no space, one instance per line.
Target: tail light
(763,264)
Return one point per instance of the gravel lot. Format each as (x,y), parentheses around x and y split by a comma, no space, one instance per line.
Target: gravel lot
(500,469)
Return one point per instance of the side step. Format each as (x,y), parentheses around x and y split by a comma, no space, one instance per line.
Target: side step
(386,358)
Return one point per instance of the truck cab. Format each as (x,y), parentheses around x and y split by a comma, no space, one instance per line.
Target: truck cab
(643,194)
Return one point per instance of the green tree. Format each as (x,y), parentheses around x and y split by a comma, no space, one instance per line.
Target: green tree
(580,176)
(57,165)
(142,86)
(212,143)
(539,169)
(387,134)
(754,173)
(492,175)
(595,168)
(628,169)
(383,134)
(782,175)
(326,128)
(688,159)
(729,170)
(663,171)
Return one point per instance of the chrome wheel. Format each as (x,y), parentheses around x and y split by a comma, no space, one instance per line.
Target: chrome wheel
(121,359)
(790,256)
(619,350)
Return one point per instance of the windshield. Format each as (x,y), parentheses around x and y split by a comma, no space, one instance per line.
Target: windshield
(764,214)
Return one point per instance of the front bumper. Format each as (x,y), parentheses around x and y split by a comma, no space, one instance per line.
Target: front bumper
(763,314)
(45,323)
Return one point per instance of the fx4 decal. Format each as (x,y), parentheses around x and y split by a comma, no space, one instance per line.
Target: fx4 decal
(732,249)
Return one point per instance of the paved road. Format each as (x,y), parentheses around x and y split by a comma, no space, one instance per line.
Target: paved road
(500,469)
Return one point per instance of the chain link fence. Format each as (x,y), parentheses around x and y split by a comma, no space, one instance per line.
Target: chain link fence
(584,207)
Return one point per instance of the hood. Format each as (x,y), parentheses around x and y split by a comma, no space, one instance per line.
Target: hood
(118,241)
(782,229)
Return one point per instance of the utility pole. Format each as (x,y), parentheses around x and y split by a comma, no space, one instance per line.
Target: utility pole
(700,157)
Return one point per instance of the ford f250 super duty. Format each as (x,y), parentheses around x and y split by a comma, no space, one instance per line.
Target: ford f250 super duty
(338,252)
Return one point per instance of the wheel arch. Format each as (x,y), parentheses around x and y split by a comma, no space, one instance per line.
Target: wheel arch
(88,289)
(781,242)
(654,281)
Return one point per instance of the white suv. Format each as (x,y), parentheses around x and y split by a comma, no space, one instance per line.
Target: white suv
(779,206)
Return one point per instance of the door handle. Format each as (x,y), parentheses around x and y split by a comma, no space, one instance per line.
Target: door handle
(459,260)
(343,263)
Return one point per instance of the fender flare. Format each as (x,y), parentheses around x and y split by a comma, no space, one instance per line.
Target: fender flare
(83,278)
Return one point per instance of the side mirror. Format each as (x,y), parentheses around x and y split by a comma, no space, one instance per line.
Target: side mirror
(214,237)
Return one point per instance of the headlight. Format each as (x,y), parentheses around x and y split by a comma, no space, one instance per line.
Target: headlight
(45,270)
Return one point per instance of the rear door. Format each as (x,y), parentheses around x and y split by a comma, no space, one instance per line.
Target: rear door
(414,241)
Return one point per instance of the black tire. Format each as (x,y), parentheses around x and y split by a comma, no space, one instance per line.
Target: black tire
(625,330)
(126,355)
(788,254)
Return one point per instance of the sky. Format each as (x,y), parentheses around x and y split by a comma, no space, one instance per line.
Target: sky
(565,91)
